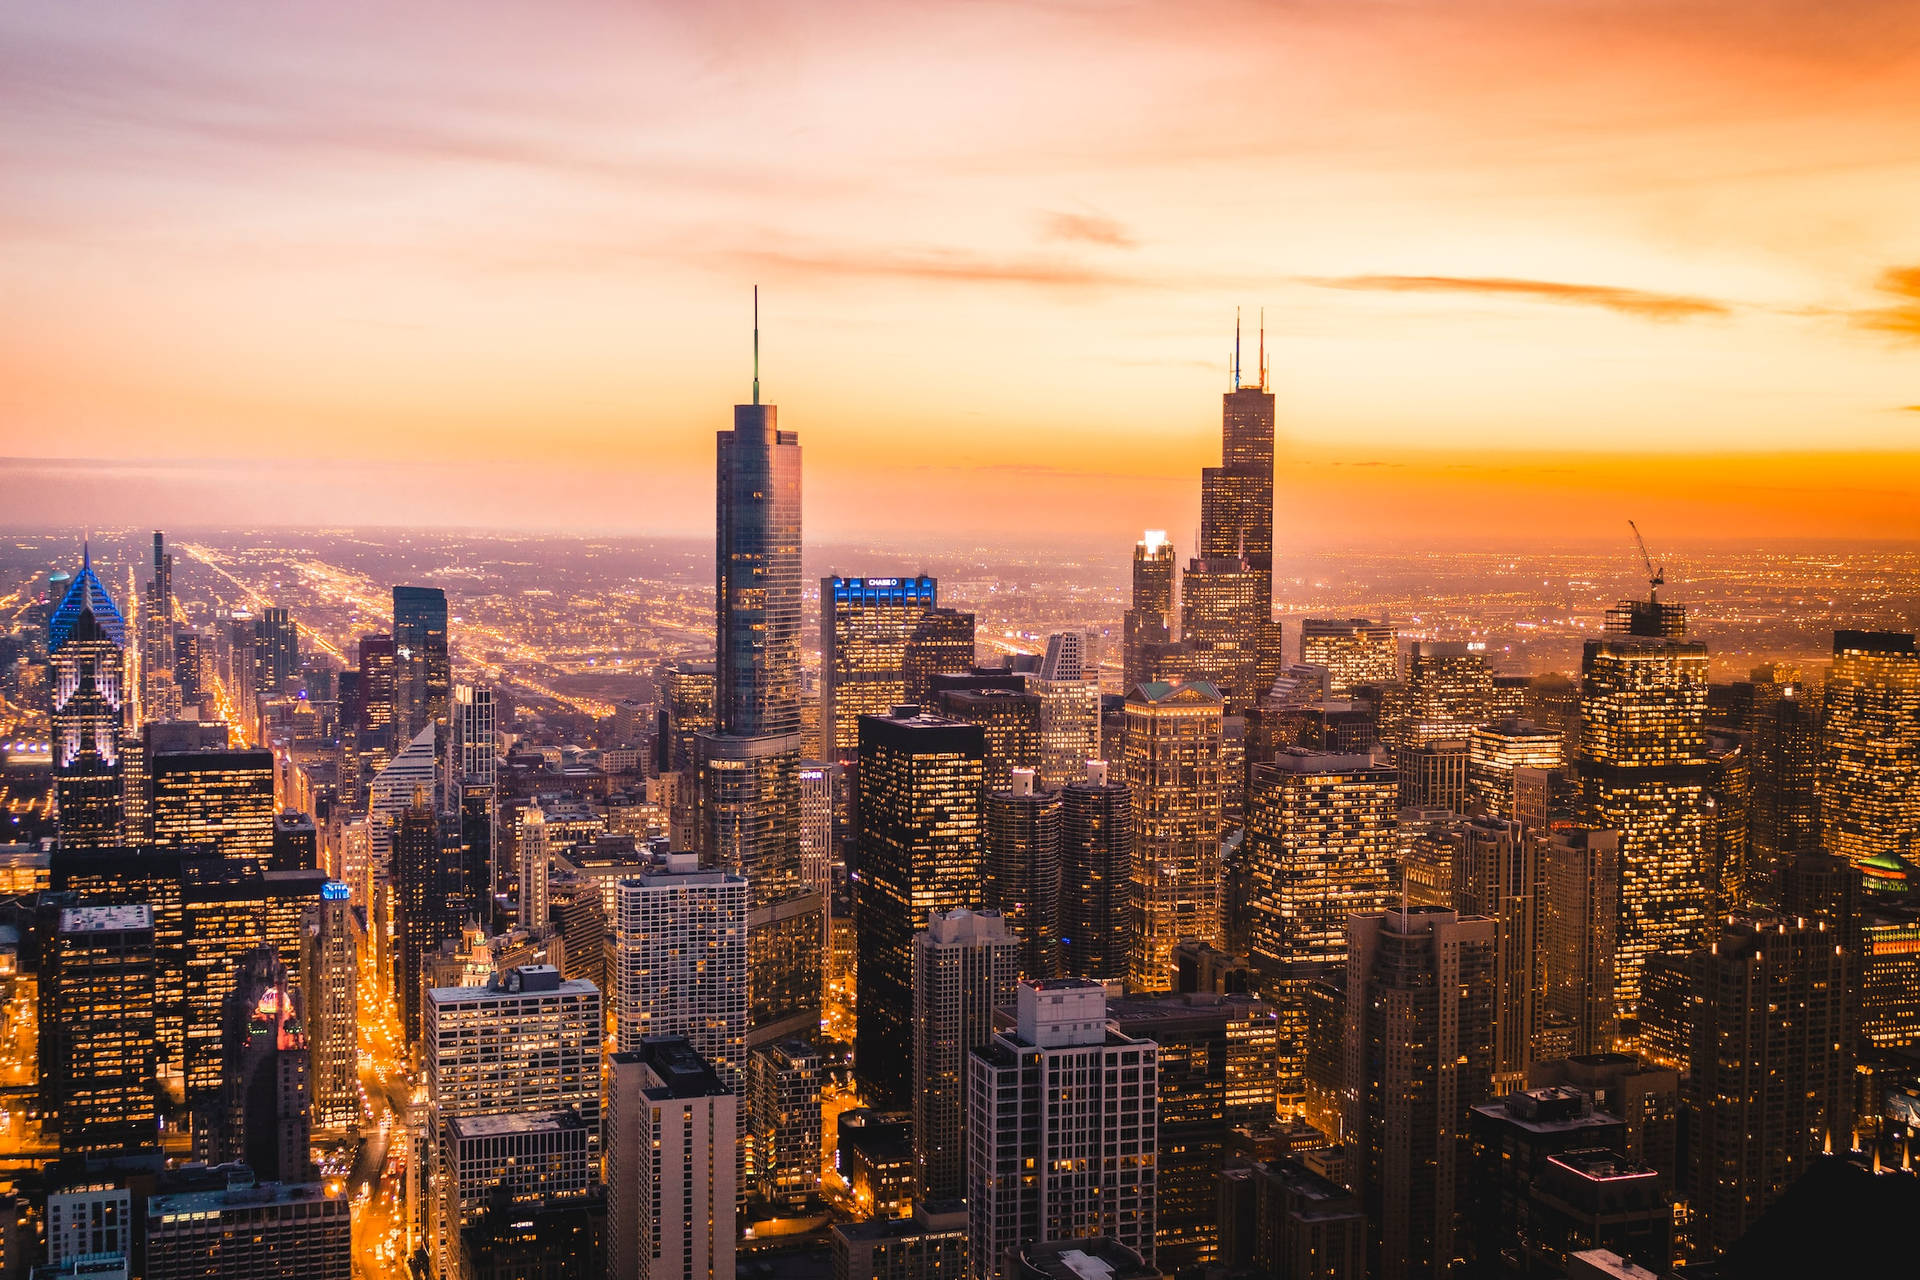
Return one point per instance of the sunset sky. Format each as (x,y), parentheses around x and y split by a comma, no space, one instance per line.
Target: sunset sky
(1527,267)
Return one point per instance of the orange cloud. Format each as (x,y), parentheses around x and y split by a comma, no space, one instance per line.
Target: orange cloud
(1634,302)
(1903,318)
(1088,228)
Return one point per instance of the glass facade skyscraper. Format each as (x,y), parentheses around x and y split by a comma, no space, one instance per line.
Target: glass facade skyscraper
(87,644)
(422,671)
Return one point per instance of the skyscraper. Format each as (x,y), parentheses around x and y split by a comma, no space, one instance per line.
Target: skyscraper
(1784,820)
(680,962)
(377,734)
(1173,767)
(160,683)
(942,644)
(248,1231)
(87,643)
(1870,799)
(1496,875)
(920,827)
(1023,870)
(672,1130)
(1354,651)
(866,625)
(1767,1029)
(276,651)
(1068,688)
(1496,750)
(1419,1055)
(1010,719)
(332,1002)
(1096,874)
(1065,1138)
(965,965)
(1579,931)
(1149,621)
(784,1079)
(97,1020)
(1644,773)
(221,800)
(1227,614)
(265,1117)
(1449,693)
(1320,848)
(432,900)
(422,670)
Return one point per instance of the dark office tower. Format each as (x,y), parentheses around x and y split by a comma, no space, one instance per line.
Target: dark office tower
(243,674)
(942,644)
(1096,875)
(1023,828)
(1870,801)
(377,733)
(1173,767)
(1768,1019)
(965,965)
(1320,847)
(1579,929)
(97,1020)
(1355,651)
(866,625)
(219,800)
(748,788)
(296,842)
(266,1102)
(1009,718)
(686,710)
(1433,775)
(919,806)
(1419,1056)
(160,684)
(431,904)
(1730,796)
(1644,773)
(332,1004)
(1786,745)
(1216,1072)
(1220,624)
(276,651)
(1496,875)
(1149,620)
(189,657)
(422,671)
(87,644)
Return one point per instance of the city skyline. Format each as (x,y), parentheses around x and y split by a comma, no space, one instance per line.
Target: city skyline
(1493,271)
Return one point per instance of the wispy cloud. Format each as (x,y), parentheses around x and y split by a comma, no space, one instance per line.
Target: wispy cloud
(1901,319)
(948,266)
(1088,228)
(1645,304)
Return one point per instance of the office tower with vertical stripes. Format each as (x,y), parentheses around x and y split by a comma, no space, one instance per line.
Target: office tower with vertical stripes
(966,964)
(1173,767)
(422,670)
(1870,800)
(1354,651)
(87,646)
(866,627)
(1096,874)
(1148,625)
(1023,870)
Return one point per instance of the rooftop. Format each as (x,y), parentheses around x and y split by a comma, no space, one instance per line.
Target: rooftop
(518,1122)
(105,919)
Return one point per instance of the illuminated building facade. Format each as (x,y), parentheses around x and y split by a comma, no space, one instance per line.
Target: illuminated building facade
(866,626)
(265,1119)
(1174,769)
(1353,651)
(332,1002)
(1767,1025)
(527,1041)
(250,1231)
(1579,931)
(1068,688)
(1434,774)
(1419,1055)
(1320,847)
(1096,874)
(86,645)
(432,899)
(520,1161)
(218,800)
(672,1133)
(680,962)
(1870,797)
(1786,735)
(942,644)
(160,684)
(1449,693)
(784,1079)
(97,1009)
(1890,978)
(1065,1140)
(1644,773)
(1023,830)
(276,651)
(1495,750)
(422,669)
(1214,1055)
(1496,875)
(376,736)
(1009,719)
(966,964)
(1149,621)
(921,836)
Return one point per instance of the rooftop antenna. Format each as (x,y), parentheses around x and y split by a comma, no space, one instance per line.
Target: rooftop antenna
(1263,348)
(756,344)
(1236,348)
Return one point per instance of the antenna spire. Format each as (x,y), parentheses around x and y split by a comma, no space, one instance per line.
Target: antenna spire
(1236,348)
(1263,348)
(756,344)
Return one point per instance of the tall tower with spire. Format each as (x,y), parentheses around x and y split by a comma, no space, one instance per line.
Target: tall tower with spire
(87,644)
(748,766)
(1227,615)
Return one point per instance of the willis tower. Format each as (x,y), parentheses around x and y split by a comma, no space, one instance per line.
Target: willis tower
(749,786)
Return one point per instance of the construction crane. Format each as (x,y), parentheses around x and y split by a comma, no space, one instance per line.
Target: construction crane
(1656,578)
